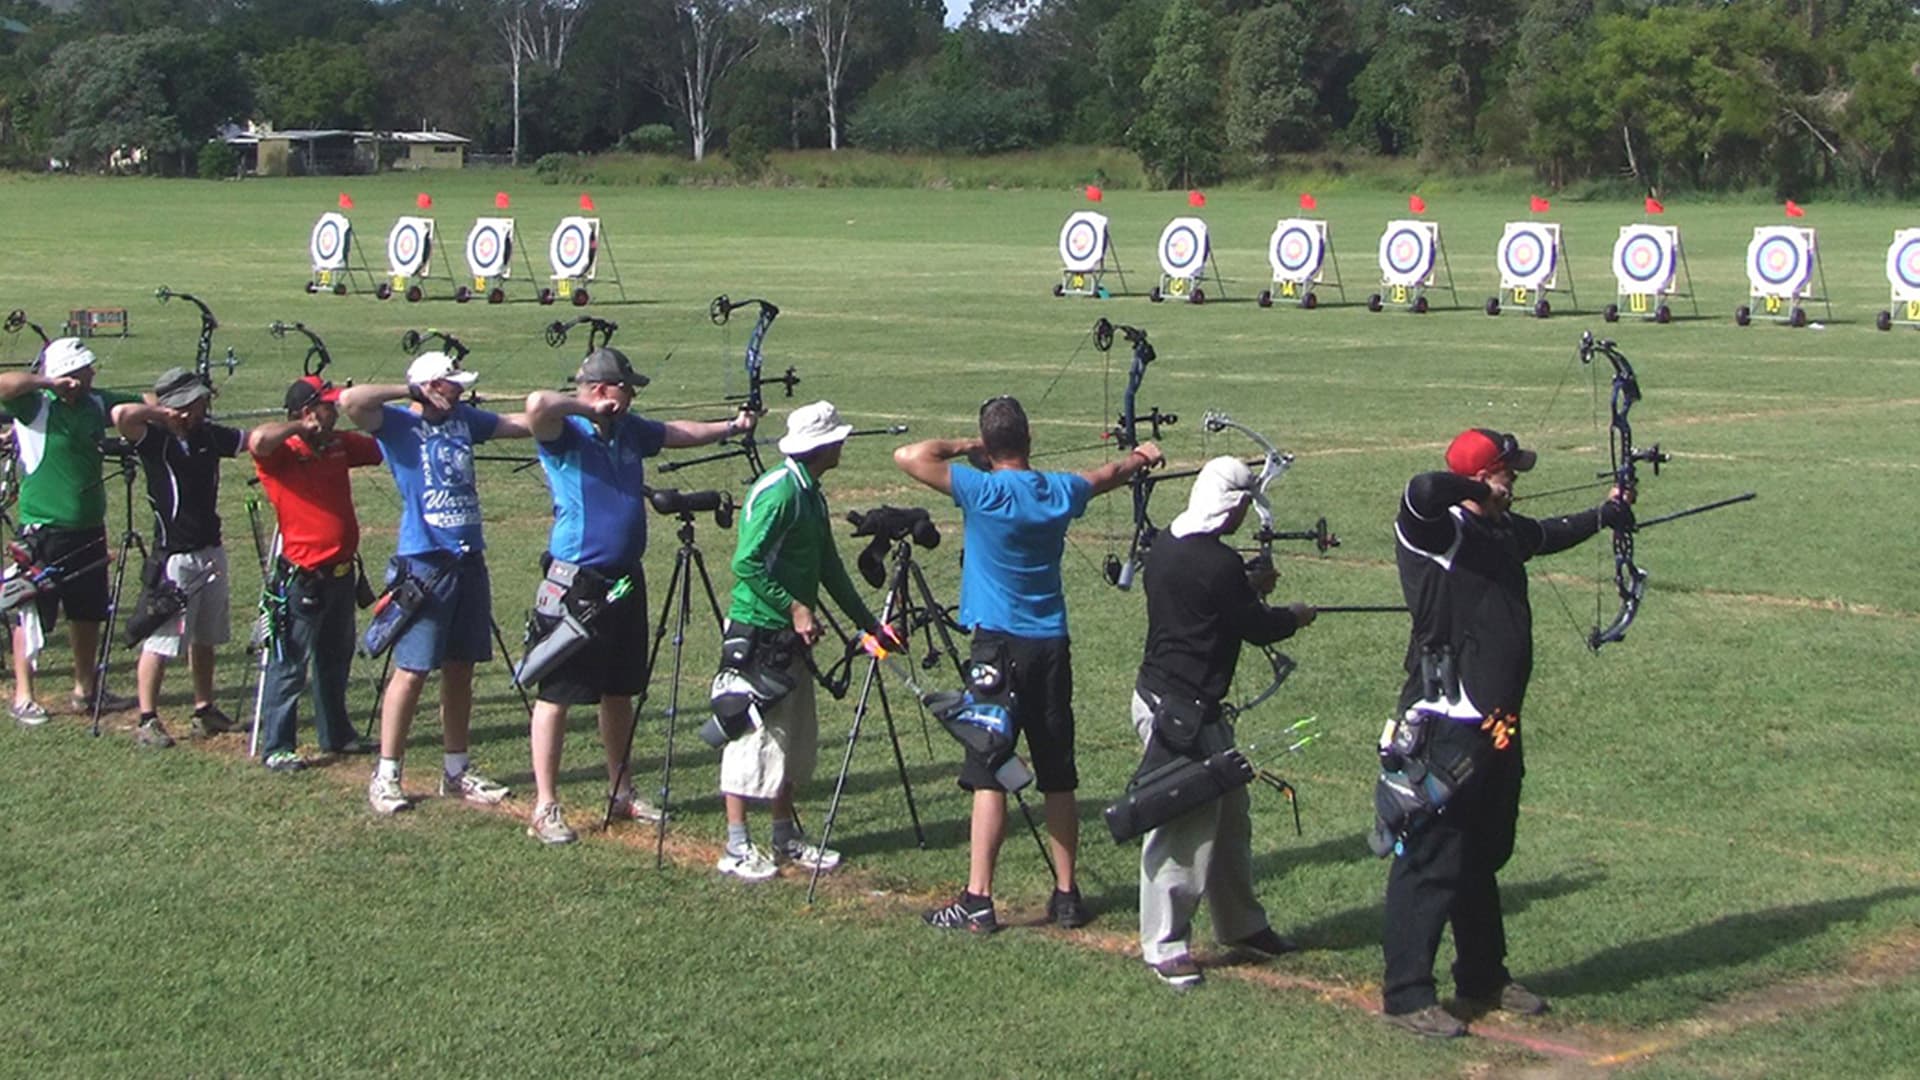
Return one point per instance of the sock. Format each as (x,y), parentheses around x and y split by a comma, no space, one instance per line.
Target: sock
(388,769)
(784,832)
(201,710)
(736,838)
(456,763)
(148,718)
(973,901)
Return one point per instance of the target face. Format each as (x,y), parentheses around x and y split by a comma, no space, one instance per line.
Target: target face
(1296,249)
(1183,247)
(572,249)
(331,239)
(408,244)
(1903,264)
(1780,261)
(1407,252)
(490,247)
(1083,241)
(1644,258)
(1528,255)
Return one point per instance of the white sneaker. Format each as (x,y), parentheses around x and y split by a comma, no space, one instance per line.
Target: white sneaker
(810,856)
(474,788)
(750,864)
(549,825)
(630,807)
(385,796)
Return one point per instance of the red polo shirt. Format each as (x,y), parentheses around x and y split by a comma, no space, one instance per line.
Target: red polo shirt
(313,497)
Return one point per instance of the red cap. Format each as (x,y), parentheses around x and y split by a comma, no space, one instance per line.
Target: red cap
(308,390)
(1476,450)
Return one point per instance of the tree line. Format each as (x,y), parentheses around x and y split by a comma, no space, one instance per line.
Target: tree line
(1796,95)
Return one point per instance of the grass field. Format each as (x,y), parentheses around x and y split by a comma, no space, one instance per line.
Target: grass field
(1711,878)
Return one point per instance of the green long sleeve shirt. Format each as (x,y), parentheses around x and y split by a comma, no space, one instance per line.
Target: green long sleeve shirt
(785,553)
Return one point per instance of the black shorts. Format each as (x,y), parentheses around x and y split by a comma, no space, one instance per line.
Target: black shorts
(1042,674)
(83,595)
(613,662)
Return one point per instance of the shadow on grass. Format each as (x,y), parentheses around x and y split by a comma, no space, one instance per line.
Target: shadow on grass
(1359,927)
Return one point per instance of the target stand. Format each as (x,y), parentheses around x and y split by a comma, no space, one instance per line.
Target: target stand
(1530,257)
(574,253)
(1086,245)
(1299,251)
(1782,261)
(1186,254)
(1648,261)
(491,244)
(410,251)
(331,252)
(1410,254)
(1903,281)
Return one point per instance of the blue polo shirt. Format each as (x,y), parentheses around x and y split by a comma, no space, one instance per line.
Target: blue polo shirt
(1016,522)
(599,485)
(433,468)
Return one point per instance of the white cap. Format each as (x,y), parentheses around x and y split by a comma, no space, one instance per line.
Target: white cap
(434,366)
(1223,484)
(64,356)
(811,427)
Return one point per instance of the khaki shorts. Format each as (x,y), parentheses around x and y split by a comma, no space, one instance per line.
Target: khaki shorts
(785,749)
(207,619)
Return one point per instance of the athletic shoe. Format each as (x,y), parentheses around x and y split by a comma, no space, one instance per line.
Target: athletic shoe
(152,735)
(211,721)
(1180,972)
(1432,1022)
(109,702)
(385,796)
(284,761)
(1267,943)
(747,864)
(809,856)
(29,713)
(1512,998)
(549,826)
(1067,910)
(967,912)
(630,807)
(474,788)
(356,746)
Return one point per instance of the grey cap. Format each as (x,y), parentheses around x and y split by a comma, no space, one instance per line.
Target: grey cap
(178,388)
(607,364)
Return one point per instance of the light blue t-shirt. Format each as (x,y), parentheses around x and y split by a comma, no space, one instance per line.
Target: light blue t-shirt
(432,465)
(599,491)
(1016,524)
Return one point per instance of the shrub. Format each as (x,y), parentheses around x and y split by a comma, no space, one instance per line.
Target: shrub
(218,161)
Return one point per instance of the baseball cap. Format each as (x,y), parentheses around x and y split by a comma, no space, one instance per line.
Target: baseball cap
(178,388)
(434,366)
(64,356)
(607,364)
(308,391)
(1477,449)
(811,427)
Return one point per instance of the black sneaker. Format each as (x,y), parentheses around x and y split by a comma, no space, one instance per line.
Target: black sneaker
(1181,972)
(1267,943)
(1066,910)
(152,735)
(1432,1022)
(209,720)
(967,912)
(1512,998)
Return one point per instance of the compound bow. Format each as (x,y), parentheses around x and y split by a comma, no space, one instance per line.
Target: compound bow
(203,354)
(1125,435)
(747,444)
(456,350)
(317,359)
(599,332)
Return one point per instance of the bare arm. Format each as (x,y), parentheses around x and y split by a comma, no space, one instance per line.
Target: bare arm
(267,439)
(513,426)
(1115,474)
(133,420)
(684,433)
(547,412)
(15,383)
(363,404)
(926,460)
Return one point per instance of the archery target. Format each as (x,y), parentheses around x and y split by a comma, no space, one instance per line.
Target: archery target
(1407,252)
(1083,241)
(490,248)
(1296,249)
(575,242)
(1780,261)
(1183,248)
(1644,258)
(408,245)
(332,238)
(1529,255)
(1903,264)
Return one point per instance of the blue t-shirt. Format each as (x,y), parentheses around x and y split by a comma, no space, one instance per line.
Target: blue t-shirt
(433,468)
(599,485)
(1016,534)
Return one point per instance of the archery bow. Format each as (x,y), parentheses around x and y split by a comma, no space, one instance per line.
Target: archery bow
(317,359)
(746,444)
(15,322)
(203,353)
(411,340)
(1125,435)
(599,331)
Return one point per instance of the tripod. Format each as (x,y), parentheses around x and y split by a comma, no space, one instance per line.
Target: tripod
(386,671)
(129,541)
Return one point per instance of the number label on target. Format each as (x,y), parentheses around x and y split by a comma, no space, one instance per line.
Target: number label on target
(409,244)
(1529,256)
(1297,250)
(1903,266)
(575,243)
(1083,242)
(490,248)
(331,240)
(1183,247)
(1645,258)
(1407,253)
(1780,262)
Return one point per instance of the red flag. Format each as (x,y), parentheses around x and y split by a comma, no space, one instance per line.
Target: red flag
(1094,194)
(346,201)
(1654,207)
(1416,204)
(423,200)
(1308,202)
(1196,200)
(1538,205)
(1794,209)
(586,202)
(500,200)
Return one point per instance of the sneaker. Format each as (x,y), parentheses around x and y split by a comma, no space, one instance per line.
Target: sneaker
(1067,910)
(385,796)
(809,856)
(1267,943)
(1181,972)
(1512,998)
(211,721)
(109,702)
(630,807)
(152,735)
(748,864)
(549,825)
(967,912)
(29,713)
(356,746)
(284,761)
(1432,1022)
(474,788)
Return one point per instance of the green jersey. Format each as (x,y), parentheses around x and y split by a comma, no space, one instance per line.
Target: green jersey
(59,447)
(785,553)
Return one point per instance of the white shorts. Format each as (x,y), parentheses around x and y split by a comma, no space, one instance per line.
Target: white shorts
(785,749)
(208,617)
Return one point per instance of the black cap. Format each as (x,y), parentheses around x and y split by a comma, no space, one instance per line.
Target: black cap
(607,364)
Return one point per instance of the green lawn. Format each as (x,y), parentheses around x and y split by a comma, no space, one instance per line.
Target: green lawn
(1716,810)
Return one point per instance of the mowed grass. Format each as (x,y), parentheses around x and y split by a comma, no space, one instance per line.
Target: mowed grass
(1716,807)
